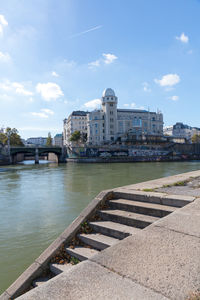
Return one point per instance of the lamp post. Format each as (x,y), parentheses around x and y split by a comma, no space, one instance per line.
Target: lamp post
(8,135)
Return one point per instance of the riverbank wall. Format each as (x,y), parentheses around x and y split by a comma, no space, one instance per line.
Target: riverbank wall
(134,153)
(159,260)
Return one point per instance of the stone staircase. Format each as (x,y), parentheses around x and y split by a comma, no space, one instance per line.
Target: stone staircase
(116,220)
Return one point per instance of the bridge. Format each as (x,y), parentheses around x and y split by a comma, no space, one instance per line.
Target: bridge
(36,152)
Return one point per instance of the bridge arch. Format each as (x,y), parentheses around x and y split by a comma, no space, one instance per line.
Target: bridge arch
(36,152)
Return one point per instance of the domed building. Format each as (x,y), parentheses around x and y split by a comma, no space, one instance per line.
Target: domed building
(109,123)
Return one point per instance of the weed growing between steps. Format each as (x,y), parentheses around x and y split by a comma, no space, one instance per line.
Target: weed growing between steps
(61,256)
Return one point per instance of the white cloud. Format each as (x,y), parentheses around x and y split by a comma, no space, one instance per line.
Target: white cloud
(174,98)
(40,115)
(183,38)
(19,89)
(16,87)
(3,23)
(146,87)
(53,73)
(49,91)
(105,59)
(4,57)
(47,111)
(109,58)
(95,63)
(168,80)
(44,113)
(93,104)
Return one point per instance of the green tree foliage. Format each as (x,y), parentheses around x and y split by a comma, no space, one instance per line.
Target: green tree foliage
(12,133)
(75,137)
(196,138)
(49,140)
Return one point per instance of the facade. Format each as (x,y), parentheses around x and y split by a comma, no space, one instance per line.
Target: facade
(110,123)
(77,121)
(185,131)
(58,140)
(39,141)
(168,130)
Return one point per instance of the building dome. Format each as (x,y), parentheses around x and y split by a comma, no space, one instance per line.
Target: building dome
(108,92)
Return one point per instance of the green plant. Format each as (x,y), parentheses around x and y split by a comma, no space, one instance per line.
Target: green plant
(74,260)
(148,190)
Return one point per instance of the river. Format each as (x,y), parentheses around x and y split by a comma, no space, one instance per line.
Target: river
(37,202)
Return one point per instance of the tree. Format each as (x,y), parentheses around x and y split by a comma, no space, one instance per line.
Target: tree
(49,140)
(196,138)
(75,137)
(12,134)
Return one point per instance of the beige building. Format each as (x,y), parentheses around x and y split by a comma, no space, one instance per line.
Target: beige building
(58,140)
(77,121)
(110,123)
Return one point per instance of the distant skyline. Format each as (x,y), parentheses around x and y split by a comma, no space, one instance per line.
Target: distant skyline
(59,56)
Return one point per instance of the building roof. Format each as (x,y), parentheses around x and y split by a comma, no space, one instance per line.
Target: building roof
(131,110)
(58,135)
(79,113)
(108,92)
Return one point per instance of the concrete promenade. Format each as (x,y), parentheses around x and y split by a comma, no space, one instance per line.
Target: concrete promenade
(160,262)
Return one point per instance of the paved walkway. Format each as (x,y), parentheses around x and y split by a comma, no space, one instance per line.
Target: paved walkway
(160,262)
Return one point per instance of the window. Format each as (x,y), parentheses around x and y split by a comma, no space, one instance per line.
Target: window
(111,104)
(96,125)
(96,131)
(111,98)
(153,118)
(111,126)
(111,119)
(95,117)
(111,112)
(107,98)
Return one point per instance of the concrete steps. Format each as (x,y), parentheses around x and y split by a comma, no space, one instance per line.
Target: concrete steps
(40,281)
(127,218)
(122,218)
(151,209)
(113,229)
(59,268)
(97,240)
(81,253)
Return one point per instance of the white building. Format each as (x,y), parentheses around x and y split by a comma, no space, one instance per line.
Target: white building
(181,130)
(58,140)
(110,123)
(38,141)
(77,121)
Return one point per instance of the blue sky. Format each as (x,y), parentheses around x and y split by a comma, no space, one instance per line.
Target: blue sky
(59,56)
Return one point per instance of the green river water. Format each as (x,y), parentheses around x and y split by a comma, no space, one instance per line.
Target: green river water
(37,202)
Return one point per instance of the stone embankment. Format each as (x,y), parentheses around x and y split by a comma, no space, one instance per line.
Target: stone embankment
(140,241)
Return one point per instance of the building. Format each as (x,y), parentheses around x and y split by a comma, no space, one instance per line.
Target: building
(110,124)
(58,140)
(168,130)
(77,121)
(185,131)
(180,131)
(38,141)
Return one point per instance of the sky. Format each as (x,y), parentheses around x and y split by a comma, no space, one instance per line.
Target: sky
(59,56)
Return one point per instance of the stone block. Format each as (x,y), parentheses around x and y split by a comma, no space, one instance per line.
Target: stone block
(160,259)
(90,281)
(24,280)
(185,220)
